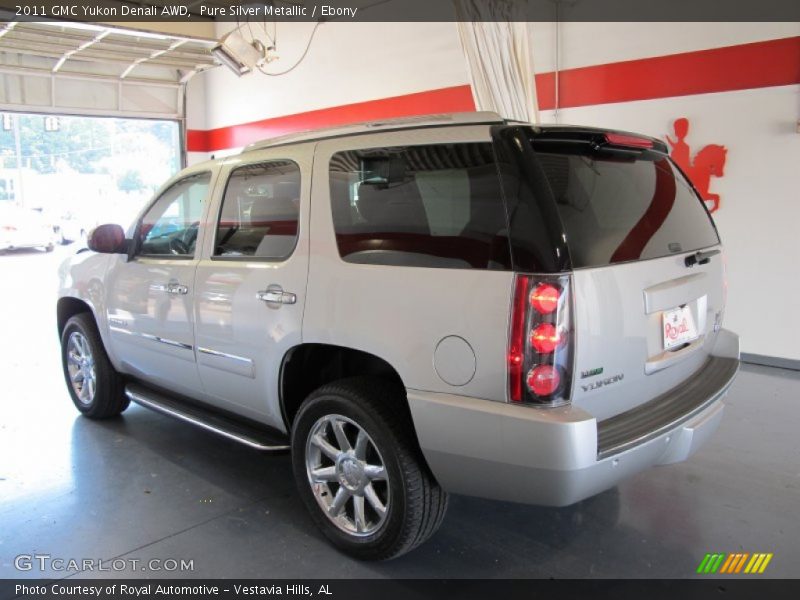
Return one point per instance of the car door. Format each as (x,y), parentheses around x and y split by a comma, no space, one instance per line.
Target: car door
(150,297)
(250,284)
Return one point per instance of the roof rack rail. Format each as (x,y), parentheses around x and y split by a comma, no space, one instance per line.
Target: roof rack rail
(462,118)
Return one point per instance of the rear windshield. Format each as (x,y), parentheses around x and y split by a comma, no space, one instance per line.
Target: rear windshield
(619,206)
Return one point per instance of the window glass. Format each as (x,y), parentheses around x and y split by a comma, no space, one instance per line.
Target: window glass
(171,225)
(616,210)
(260,211)
(425,206)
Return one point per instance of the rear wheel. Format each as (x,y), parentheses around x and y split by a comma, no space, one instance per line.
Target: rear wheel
(97,390)
(360,472)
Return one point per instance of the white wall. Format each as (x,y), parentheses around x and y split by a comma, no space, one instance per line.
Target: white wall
(760,190)
(347,63)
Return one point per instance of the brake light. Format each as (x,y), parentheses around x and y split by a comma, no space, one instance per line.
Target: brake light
(543,380)
(545,298)
(545,338)
(621,139)
(8,228)
(540,341)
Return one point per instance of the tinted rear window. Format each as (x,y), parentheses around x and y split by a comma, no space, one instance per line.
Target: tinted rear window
(422,206)
(622,206)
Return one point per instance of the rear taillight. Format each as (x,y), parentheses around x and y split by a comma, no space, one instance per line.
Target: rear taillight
(544,380)
(544,298)
(541,341)
(7,228)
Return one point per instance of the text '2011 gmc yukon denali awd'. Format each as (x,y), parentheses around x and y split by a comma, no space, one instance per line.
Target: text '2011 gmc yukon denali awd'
(446,304)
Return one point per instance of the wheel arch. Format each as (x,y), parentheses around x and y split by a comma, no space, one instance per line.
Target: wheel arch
(69,306)
(306,367)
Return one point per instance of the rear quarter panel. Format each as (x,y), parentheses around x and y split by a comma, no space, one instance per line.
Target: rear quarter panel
(401,314)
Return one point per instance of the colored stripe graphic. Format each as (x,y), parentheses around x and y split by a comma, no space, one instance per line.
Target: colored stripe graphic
(702,567)
(717,563)
(765,563)
(724,563)
(741,562)
(745,66)
(728,563)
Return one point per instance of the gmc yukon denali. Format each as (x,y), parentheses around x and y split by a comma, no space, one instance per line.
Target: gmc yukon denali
(417,307)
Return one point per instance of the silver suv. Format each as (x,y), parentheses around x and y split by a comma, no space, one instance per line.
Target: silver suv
(413,308)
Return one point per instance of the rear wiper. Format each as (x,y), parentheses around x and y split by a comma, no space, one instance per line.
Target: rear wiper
(700,258)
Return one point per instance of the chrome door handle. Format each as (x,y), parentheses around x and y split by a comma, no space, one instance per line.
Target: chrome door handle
(276,296)
(177,289)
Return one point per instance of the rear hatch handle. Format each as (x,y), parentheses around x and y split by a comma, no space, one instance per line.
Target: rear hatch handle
(700,258)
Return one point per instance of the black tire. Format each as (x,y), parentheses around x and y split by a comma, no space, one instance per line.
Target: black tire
(109,398)
(416,502)
(49,248)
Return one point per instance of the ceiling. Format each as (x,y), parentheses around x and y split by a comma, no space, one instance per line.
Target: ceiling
(71,47)
(99,69)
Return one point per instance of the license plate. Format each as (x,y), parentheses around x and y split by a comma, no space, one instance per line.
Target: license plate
(679,327)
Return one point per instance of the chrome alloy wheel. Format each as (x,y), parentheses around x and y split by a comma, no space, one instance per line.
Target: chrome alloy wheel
(347,475)
(80,365)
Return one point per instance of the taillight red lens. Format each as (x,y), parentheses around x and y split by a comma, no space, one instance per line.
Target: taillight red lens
(545,338)
(544,298)
(543,380)
(516,349)
(620,139)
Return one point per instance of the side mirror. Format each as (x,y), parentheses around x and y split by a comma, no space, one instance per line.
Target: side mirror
(108,239)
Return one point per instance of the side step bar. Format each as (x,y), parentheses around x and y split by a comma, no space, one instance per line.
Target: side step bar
(243,433)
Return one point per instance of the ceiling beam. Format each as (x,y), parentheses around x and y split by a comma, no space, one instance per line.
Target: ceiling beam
(8,27)
(153,56)
(202,30)
(68,55)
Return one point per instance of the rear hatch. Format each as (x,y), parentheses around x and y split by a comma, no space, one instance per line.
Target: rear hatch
(648,283)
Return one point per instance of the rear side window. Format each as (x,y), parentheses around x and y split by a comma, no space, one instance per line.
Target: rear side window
(623,207)
(420,206)
(260,211)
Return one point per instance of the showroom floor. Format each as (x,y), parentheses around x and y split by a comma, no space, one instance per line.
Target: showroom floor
(145,486)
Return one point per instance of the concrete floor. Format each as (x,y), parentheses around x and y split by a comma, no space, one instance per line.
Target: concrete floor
(145,486)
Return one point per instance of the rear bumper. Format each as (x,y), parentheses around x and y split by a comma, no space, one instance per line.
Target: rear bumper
(559,456)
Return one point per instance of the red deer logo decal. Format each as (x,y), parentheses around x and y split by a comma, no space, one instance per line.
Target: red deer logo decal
(707,163)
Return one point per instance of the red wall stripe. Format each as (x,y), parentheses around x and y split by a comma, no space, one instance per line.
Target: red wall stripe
(746,66)
(453,99)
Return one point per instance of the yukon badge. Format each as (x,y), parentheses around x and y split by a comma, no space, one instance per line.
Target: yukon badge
(603,382)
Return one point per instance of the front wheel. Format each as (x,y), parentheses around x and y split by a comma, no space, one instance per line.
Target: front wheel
(94,385)
(360,472)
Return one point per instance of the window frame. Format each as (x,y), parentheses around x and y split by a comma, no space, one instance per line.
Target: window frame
(138,242)
(264,259)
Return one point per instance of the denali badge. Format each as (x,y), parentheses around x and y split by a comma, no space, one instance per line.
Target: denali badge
(591,372)
(603,382)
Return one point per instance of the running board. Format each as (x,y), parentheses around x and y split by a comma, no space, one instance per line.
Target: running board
(243,433)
